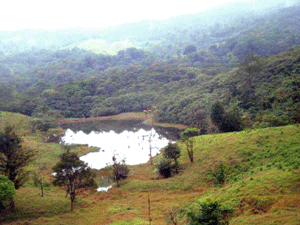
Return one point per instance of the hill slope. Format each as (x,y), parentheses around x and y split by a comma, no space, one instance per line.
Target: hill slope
(262,183)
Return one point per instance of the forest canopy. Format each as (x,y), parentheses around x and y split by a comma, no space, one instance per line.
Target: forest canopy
(250,64)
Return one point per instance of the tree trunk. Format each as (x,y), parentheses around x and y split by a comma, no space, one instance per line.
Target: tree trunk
(117,181)
(42,189)
(191,156)
(72,198)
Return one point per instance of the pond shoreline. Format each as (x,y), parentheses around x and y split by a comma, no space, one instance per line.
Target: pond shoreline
(146,118)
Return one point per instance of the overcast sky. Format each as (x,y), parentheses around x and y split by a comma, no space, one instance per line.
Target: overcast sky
(48,14)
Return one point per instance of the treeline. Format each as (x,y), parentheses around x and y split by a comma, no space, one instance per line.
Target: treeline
(264,90)
(184,76)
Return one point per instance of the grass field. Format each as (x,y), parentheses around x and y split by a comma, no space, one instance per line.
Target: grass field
(100,46)
(262,182)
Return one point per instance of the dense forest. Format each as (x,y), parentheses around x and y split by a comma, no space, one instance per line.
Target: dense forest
(247,61)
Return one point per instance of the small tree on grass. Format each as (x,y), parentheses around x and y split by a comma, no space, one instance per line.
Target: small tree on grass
(13,158)
(186,137)
(120,170)
(73,174)
(7,192)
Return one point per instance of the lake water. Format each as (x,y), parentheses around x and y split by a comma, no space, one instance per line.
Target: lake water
(129,140)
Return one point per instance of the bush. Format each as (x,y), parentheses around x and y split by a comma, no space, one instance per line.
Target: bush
(209,212)
(7,191)
(220,175)
(165,168)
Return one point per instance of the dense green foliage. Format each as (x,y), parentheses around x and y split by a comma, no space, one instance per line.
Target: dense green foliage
(13,158)
(182,94)
(248,63)
(226,122)
(7,191)
(165,166)
(209,212)
(172,151)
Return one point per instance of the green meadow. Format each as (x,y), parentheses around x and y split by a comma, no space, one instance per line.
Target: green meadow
(260,166)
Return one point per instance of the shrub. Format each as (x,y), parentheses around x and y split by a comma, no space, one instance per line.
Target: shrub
(209,212)
(172,151)
(7,191)
(165,168)
(220,175)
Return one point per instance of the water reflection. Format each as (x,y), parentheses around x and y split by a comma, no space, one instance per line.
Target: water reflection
(104,188)
(126,139)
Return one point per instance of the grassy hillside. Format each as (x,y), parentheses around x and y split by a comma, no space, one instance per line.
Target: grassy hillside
(99,46)
(261,169)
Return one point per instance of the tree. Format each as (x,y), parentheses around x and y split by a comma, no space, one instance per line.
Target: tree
(172,151)
(13,157)
(120,170)
(7,191)
(73,174)
(217,114)
(231,121)
(186,137)
(225,121)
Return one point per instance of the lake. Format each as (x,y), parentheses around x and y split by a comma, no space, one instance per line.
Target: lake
(127,139)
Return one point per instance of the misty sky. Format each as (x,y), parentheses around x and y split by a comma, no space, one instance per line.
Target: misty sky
(49,14)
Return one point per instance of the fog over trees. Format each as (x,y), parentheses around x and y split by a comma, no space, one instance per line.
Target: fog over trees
(182,65)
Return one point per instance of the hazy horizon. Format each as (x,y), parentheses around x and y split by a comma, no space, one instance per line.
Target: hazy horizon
(56,14)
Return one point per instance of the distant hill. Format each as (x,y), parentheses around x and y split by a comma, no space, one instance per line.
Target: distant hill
(210,27)
(245,57)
